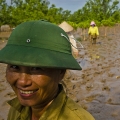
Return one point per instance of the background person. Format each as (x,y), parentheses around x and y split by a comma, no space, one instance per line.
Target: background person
(73,42)
(37,55)
(93,32)
(68,29)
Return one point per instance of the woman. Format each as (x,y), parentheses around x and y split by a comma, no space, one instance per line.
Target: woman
(93,32)
(37,55)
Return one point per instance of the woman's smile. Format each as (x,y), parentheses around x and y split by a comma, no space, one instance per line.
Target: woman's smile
(33,85)
(27,93)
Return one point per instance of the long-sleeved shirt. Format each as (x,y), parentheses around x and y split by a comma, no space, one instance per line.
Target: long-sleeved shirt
(62,108)
(93,30)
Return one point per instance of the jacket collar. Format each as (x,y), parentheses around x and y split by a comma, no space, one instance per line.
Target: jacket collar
(52,111)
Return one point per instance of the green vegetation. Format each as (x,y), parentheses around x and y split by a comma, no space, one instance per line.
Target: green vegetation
(103,12)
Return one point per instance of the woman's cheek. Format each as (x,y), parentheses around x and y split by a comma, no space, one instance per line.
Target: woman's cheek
(41,80)
(10,77)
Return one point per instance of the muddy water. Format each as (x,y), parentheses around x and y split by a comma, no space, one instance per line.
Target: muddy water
(96,86)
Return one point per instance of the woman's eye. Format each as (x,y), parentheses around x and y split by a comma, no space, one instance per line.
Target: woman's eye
(14,67)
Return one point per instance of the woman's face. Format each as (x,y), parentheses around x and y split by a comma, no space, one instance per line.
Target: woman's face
(34,86)
(93,25)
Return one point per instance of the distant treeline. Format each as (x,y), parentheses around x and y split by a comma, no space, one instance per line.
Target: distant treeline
(103,12)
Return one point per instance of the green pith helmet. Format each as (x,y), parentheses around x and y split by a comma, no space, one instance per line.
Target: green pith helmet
(39,43)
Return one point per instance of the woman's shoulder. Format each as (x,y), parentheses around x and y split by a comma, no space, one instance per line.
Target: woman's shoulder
(75,111)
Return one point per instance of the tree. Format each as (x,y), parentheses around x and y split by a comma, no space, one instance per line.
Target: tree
(100,9)
(23,10)
(3,12)
(28,10)
(84,26)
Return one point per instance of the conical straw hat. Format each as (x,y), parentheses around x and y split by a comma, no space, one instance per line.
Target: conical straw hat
(66,27)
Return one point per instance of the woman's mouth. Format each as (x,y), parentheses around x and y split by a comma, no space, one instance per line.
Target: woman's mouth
(27,93)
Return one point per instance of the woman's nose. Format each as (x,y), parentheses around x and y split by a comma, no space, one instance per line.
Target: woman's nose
(24,80)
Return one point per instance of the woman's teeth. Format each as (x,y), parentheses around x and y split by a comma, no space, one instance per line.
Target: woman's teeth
(26,92)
